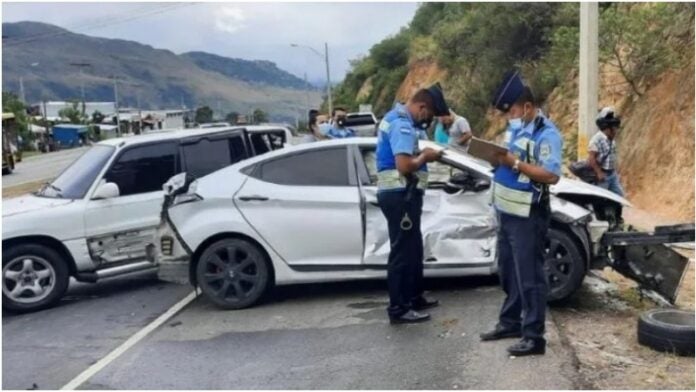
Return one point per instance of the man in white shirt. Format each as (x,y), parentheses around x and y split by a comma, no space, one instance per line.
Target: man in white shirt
(458,129)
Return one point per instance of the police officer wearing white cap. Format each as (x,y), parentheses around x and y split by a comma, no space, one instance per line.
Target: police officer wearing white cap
(521,198)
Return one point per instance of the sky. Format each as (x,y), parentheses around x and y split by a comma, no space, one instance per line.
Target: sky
(253,31)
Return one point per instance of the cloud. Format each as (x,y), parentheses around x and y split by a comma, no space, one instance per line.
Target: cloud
(230,19)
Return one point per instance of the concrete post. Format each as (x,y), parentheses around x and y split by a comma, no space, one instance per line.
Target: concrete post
(589,74)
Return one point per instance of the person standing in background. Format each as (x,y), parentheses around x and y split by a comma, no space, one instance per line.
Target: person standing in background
(458,130)
(602,151)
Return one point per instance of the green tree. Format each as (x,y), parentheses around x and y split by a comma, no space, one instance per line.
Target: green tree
(259,116)
(204,114)
(12,104)
(231,117)
(635,38)
(73,113)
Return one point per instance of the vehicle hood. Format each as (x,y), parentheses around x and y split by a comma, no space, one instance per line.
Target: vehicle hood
(569,186)
(30,203)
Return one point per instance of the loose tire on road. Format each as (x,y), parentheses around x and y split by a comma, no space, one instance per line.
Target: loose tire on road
(564,265)
(233,273)
(670,330)
(34,277)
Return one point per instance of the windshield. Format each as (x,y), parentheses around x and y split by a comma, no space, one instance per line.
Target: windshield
(74,182)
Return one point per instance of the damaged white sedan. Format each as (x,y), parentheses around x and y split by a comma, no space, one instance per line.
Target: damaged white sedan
(309,214)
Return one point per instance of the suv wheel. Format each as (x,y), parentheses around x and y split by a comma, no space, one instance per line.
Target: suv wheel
(33,277)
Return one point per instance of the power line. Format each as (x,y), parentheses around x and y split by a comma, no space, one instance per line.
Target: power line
(98,24)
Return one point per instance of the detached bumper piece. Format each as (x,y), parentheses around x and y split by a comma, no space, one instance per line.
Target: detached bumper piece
(645,257)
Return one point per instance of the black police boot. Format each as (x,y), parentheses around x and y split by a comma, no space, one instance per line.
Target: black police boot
(501,332)
(528,346)
(421,303)
(409,317)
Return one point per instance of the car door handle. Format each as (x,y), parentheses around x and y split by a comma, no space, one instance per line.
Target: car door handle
(253,198)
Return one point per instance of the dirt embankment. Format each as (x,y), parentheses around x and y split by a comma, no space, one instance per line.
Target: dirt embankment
(421,74)
(656,141)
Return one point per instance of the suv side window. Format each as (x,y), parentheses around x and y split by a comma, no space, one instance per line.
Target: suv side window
(206,156)
(325,167)
(143,169)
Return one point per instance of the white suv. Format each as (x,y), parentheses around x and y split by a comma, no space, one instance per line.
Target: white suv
(98,218)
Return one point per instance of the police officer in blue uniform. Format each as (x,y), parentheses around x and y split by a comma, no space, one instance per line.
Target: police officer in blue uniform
(521,198)
(402,177)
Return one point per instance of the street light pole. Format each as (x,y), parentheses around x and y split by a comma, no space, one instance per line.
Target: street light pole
(589,74)
(118,114)
(324,57)
(328,77)
(82,82)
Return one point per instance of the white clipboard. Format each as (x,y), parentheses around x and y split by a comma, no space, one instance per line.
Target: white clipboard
(486,150)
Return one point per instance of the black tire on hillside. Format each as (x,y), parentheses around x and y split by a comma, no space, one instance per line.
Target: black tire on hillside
(669,330)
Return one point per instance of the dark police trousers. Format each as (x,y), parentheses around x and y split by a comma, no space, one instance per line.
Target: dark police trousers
(405,265)
(521,243)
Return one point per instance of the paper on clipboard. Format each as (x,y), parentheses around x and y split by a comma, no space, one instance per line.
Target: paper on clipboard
(486,150)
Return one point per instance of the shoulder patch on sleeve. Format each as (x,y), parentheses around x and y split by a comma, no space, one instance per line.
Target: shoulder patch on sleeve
(545,151)
(384,125)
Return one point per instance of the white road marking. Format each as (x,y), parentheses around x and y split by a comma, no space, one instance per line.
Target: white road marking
(133,340)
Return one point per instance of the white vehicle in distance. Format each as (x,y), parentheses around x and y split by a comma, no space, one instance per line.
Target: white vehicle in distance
(98,218)
(363,123)
(309,213)
(214,125)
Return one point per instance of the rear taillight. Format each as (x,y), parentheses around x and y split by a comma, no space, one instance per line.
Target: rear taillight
(166,245)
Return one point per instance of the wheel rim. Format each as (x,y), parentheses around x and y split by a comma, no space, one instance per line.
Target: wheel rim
(231,273)
(28,279)
(558,264)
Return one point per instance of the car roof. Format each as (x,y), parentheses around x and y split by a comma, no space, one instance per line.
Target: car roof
(166,135)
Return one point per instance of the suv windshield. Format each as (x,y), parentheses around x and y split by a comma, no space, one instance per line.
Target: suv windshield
(74,181)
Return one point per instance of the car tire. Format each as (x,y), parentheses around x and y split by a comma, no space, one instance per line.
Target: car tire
(670,330)
(233,273)
(564,265)
(37,268)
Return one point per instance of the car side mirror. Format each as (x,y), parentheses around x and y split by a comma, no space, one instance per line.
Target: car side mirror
(106,190)
(482,184)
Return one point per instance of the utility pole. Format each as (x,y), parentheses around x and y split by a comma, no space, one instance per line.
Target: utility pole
(325,57)
(21,91)
(80,66)
(307,93)
(140,113)
(118,114)
(589,74)
(328,78)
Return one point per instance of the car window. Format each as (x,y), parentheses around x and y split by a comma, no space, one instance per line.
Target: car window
(143,169)
(206,156)
(75,181)
(438,172)
(370,158)
(326,167)
(359,119)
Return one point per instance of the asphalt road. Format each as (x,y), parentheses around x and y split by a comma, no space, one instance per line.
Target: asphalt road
(330,336)
(41,167)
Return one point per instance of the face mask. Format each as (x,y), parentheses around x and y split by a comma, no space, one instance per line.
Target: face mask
(425,124)
(517,123)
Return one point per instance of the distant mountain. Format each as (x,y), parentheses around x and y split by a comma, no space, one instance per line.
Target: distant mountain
(43,56)
(256,71)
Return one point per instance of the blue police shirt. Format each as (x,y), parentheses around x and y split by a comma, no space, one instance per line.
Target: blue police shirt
(397,135)
(333,132)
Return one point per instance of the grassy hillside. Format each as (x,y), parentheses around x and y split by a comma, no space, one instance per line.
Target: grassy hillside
(41,54)
(646,72)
